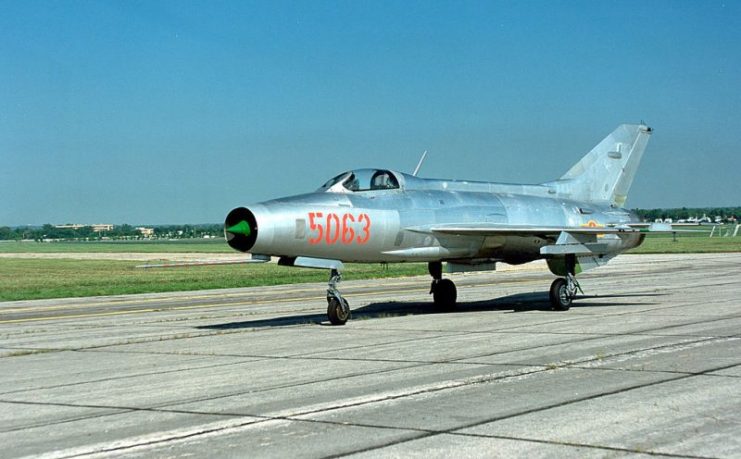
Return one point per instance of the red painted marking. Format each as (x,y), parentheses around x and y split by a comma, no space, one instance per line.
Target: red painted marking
(333,231)
(314,226)
(366,229)
(340,228)
(348,233)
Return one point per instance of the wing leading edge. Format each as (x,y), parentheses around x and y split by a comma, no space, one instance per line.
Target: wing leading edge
(567,240)
(525,230)
(536,230)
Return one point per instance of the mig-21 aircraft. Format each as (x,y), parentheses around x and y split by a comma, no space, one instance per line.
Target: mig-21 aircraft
(575,223)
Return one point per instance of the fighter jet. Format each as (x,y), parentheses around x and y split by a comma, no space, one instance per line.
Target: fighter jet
(575,223)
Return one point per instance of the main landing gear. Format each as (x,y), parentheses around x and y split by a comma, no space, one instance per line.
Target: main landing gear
(338,309)
(563,290)
(443,291)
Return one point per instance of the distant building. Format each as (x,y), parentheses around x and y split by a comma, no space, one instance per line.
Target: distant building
(146,232)
(98,228)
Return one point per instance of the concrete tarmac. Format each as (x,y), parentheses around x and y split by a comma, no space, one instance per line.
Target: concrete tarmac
(647,362)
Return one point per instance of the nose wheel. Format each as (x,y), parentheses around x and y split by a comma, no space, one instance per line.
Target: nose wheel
(338,309)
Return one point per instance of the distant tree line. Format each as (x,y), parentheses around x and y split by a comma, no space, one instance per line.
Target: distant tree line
(189,231)
(119,232)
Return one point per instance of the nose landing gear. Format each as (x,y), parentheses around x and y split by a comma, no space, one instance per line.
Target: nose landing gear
(338,309)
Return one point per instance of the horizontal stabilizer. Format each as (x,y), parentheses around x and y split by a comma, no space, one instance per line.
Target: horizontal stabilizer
(662,228)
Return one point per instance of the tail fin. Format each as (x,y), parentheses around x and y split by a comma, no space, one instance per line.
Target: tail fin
(606,173)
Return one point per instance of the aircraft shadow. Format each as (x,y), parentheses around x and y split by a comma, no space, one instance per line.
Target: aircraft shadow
(521,302)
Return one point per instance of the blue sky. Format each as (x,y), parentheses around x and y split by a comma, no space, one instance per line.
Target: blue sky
(176,112)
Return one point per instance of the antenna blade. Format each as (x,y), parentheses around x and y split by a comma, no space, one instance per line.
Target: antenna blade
(419,164)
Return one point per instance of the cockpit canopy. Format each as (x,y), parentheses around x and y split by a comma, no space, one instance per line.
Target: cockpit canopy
(362,180)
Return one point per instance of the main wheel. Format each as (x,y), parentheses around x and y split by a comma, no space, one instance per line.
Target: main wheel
(444,294)
(338,311)
(559,294)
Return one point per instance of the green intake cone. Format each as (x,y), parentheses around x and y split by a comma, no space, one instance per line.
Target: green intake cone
(240,228)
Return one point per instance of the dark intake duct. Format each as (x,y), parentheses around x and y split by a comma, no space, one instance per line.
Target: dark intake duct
(240,229)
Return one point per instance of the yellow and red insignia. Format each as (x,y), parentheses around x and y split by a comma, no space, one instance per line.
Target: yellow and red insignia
(593,224)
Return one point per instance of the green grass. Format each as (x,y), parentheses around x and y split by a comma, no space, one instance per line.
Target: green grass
(22,279)
(25,279)
(688,243)
(177,246)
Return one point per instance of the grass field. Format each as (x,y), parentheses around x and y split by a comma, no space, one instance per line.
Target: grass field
(22,279)
(177,246)
(698,242)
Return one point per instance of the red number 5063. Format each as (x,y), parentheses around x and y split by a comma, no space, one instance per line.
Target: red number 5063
(338,228)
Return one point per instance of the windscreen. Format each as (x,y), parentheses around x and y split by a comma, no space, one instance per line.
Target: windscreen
(363,180)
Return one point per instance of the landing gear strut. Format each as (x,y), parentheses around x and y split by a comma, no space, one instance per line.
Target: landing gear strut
(338,310)
(443,291)
(563,290)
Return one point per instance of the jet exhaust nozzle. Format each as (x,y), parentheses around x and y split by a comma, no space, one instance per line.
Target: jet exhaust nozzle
(240,229)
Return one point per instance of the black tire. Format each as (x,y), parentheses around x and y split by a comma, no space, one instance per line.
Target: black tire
(444,294)
(559,295)
(337,314)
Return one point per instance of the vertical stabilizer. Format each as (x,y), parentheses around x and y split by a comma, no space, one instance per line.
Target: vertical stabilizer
(606,173)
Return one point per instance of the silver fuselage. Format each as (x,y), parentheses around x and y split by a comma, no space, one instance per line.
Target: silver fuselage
(390,225)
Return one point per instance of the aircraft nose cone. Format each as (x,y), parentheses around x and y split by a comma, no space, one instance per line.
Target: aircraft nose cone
(240,229)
